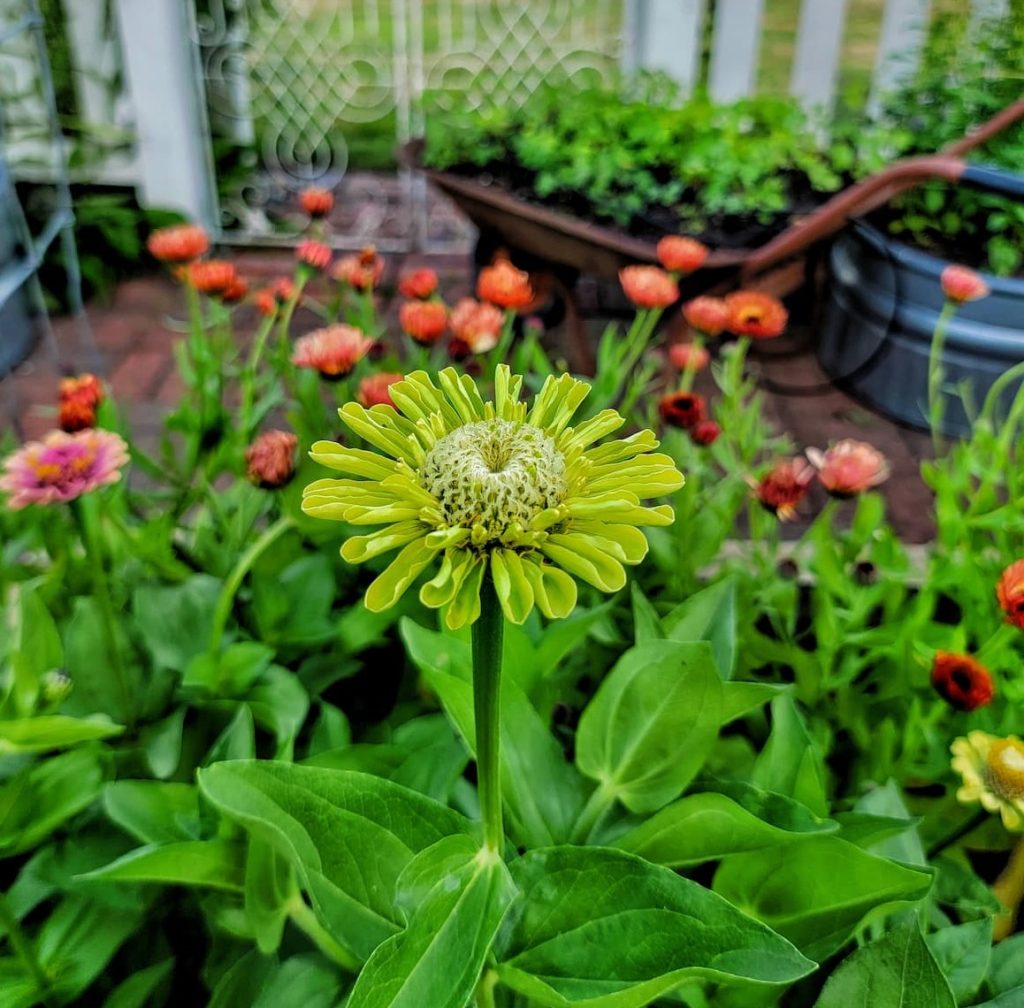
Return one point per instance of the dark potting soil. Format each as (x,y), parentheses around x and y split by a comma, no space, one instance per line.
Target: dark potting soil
(729,231)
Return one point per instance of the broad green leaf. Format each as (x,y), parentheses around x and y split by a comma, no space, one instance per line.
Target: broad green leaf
(790,763)
(34,642)
(303,981)
(237,741)
(347,835)
(462,893)
(709,615)
(218,864)
(897,971)
(1013,998)
(269,888)
(174,621)
(904,846)
(740,698)
(817,890)
(1006,968)
(230,672)
(646,625)
(538,815)
(598,928)
(294,605)
(88,661)
(42,796)
(710,825)
(963,955)
(138,990)
(651,723)
(866,830)
(154,812)
(331,731)
(243,982)
(279,703)
(957,886)
(560,637)
(161,743)
(53,731)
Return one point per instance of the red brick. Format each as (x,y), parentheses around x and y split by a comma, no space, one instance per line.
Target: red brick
(138,375)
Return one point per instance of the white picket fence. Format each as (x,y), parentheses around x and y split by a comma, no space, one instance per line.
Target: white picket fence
(164,104)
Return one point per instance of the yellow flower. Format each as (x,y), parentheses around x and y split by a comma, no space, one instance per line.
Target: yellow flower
(992,769)
(492,488)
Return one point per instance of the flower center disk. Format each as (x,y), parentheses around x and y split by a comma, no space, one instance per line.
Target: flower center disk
(494,476)
(1004,770)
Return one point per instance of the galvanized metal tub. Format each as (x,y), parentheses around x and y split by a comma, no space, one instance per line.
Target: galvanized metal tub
(881,306)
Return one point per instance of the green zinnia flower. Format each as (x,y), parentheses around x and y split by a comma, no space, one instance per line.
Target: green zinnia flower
(477,483)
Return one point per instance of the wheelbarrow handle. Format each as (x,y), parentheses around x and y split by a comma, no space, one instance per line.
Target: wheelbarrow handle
(995,180)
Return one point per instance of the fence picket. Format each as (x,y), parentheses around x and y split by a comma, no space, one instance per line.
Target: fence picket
(818,47)
(667,35)
(735,49)
(904,30)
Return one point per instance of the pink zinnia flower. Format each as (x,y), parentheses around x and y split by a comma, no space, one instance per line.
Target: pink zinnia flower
(332,351)
(420,283)
(849,467)
(374,390)
(62,467)
(961,284)
(316,255)
(648,286)
(361,271)
(687,356)
(477,324)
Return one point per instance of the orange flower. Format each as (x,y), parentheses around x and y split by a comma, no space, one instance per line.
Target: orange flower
(755,314)
(316,255)
(1010,593)
(424,321)
(85,388)
(333,351)
(420,283)
(235,291)
(270,459)
(505,286)
(705,432)
(373,390)
(477,325)
(961,284)
(708,315)
(683,409)
(316,202)
(783,487)
(212,276)
(360,271)
(648,286)
(849,467)
(180,243)
(679,254)
(271,298)
(75,414)
(962,681)
(688,356)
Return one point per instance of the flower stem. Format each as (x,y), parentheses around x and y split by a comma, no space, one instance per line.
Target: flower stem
(690,371)
(935,373)
(24,951)
(86,518)
(967,826)
(235,578)
(488,631)
(484,996)
(305,920)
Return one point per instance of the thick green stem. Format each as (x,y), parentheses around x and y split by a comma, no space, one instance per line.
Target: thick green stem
(237,576)
(484,996)
(488,631)
(24,951)
(968,826)
(936,407)
(305,920)
(95,555)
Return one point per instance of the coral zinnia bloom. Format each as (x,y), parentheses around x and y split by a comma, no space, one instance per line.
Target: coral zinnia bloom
(679,254)
(62,467)
(1010,593)
(705,432)
(270,459)
(492,487)
(477,324)
(212,276)
(333,351)
(360,271)
(849,467)
(420,283)
(708,315)
(504,285)
(992,769)
(316,202)
(75,414)
(180,243)
(374,390)
(235,291)
(962,681)
(687,356)
(648,286)
(85,387)
(755,314)
(271,298)
(961,284)
(316,255)
(783,487)
(424,321)
(683,409)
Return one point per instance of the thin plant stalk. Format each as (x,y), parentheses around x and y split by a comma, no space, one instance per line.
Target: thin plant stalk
(488,632)
(690,371)
(936,406)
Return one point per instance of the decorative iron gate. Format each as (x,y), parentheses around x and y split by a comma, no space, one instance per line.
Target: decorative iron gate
(303,92)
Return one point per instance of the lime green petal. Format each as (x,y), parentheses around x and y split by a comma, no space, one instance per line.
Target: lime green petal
(419,399)
(448,538)
(618,509)
(623,448)
(553,589)
(506,393)
(465,606)
(586,433)
(371,426)
(463,394)
(630,544)
(442,588)
(511,585)
(353,461)
(389,586)
(596,568)
(318,507)
(358,549)
(382,515)
(557,401)
(651,481)
(405,488)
